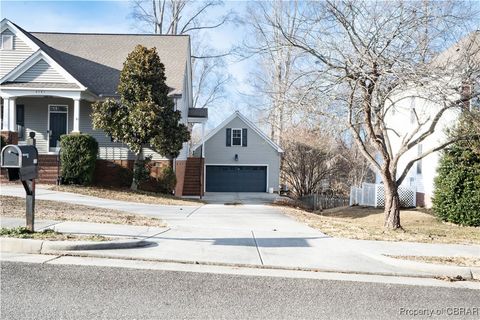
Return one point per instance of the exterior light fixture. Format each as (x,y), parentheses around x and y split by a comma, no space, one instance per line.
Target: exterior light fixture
(236,157)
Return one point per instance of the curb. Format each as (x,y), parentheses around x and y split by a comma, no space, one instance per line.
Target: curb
(469,273)
(47,246)
(466,274)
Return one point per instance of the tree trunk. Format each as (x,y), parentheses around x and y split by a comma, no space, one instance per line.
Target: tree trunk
(392,207)
(137,166)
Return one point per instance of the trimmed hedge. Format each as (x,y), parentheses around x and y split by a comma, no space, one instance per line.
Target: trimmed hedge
(457,187)
(78,157)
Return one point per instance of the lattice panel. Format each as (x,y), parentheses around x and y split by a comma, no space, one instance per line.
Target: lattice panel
(379,196)
(371,194)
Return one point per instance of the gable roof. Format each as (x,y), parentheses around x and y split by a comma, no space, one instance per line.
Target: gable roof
(237,114)
(11,78)
(96,60)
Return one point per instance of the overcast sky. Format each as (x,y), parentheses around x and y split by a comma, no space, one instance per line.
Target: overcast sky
(115,17)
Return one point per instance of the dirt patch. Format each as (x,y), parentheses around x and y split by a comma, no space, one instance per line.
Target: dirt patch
(367,224)
(128,195)
(54,210)
(457,261)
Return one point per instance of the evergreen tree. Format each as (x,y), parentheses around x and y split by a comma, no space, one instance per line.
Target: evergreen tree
(145,113)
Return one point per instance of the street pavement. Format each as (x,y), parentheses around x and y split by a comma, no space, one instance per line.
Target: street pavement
(249,234)
(46,291)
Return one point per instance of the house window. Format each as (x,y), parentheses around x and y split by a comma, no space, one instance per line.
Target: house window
(236,137)
(7,42)
(419,162)
(21,121)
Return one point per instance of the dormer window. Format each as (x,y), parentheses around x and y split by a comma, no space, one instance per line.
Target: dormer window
(6,42)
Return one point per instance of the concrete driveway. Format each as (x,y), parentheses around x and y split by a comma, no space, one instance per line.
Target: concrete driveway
(240,197)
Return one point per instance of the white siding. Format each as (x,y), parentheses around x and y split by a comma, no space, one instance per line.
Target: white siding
(401,122)
(108,149)
(36,118)
(9,59)
(41,72)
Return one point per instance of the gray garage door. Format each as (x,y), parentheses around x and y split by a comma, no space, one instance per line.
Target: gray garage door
(236,178)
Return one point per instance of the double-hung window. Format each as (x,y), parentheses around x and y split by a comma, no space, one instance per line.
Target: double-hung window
(6,42)
(236,137)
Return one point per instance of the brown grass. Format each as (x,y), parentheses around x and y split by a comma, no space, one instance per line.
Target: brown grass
(54,210)
(457,261)
(128,195)
(367,224)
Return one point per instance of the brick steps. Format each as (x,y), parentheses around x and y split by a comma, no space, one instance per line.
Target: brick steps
(47,171)
(193,177)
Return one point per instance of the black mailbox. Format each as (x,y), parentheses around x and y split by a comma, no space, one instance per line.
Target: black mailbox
(21,162)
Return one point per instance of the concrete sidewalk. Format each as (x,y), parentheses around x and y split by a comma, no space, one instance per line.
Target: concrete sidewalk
(268,249)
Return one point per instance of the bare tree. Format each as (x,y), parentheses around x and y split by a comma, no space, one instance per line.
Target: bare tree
(276,60)
(309,162)
(377,55)
(177,17)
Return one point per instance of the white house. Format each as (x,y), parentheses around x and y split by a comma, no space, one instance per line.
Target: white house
(413,112)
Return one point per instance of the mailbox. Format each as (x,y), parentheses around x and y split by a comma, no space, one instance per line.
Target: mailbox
(21,162)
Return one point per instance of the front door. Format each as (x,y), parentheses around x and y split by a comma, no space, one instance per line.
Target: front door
(57,126)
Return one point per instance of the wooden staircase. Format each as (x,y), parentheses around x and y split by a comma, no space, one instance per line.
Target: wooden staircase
(193,184)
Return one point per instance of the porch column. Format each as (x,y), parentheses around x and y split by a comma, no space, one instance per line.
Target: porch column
(203,139)
(5,117)
(12,115)
(76,115)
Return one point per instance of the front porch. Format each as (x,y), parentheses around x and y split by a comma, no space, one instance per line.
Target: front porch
(46,114)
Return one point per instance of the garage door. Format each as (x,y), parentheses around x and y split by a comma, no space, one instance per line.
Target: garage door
(236,178)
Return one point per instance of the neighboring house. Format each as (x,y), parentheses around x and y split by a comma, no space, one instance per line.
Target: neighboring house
(418,106)
(239,157)
(48,82)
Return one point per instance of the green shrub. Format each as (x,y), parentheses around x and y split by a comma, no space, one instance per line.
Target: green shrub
(3,142)
(78,157)
(125,177)
(457,187)
(141,170)
(167,181)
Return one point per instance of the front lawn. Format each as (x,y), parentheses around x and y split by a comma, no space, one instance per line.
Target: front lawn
(367,224)
(55,210)
(128,195)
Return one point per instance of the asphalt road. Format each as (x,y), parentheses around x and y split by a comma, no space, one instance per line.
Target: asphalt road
(36,291)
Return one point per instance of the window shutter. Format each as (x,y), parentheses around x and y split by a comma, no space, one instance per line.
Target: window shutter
(244,137)
(229,137)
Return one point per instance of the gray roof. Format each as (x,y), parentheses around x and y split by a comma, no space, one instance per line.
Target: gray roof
(197,112)
(97,59)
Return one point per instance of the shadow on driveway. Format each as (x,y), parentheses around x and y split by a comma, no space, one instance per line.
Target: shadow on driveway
(239,198)
(252,242)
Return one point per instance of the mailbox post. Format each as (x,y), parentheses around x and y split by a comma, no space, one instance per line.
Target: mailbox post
(21,163)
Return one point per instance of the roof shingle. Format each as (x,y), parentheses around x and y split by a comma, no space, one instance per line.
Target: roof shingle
(96,60)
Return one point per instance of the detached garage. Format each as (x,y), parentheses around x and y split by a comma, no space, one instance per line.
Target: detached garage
(239,157)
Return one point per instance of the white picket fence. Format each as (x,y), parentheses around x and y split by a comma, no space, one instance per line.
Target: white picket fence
(373,195)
